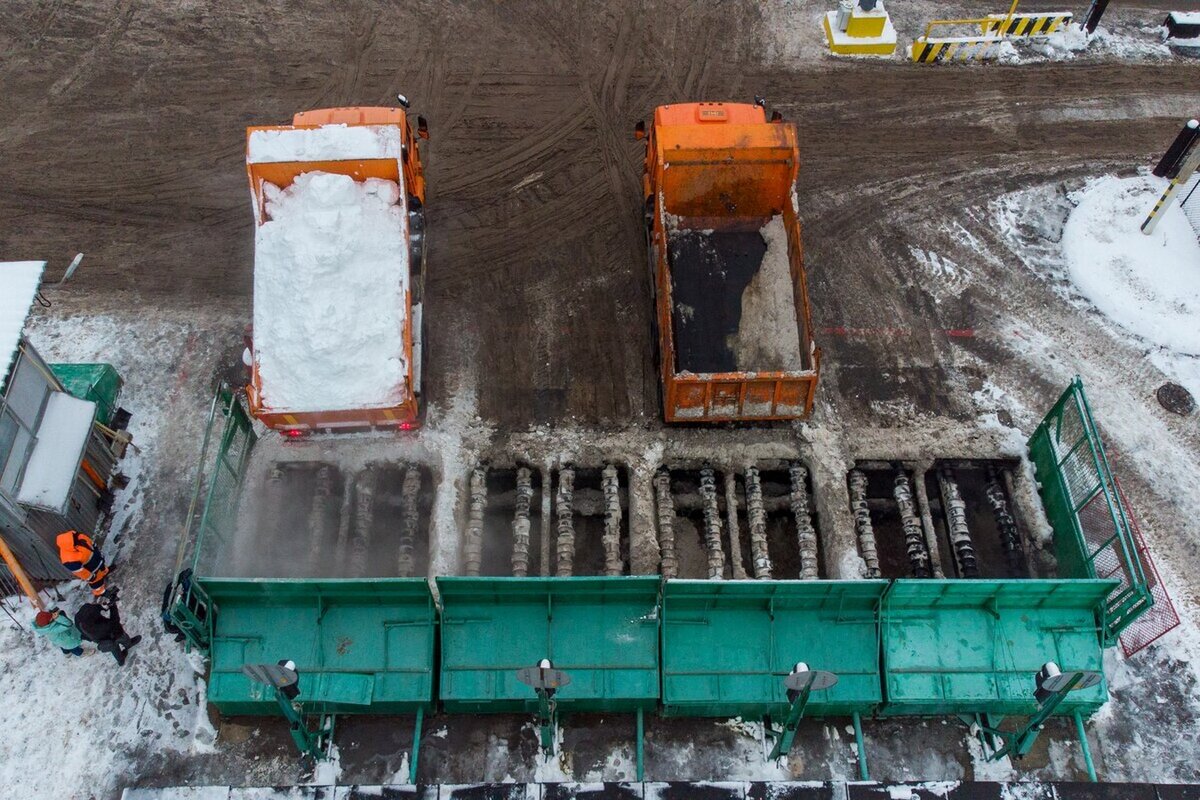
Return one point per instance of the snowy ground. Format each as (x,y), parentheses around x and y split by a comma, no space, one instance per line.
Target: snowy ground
(1126,34)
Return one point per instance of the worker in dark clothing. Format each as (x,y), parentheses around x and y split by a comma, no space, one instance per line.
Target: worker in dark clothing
(83,560)
(100,622)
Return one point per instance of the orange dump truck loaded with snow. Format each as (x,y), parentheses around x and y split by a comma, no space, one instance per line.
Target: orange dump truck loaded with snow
(733,323)
(339,254)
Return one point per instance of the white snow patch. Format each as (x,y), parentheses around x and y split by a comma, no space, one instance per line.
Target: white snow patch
(330,281)
(1150,285)
(1185,17)
(61,437)
(327,771)
(19,282)
(1131,48)
(326,143)
(1063,44)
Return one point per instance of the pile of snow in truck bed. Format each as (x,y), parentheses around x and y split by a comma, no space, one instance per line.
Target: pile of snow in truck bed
(326,143)
(330,274)
(1150,285)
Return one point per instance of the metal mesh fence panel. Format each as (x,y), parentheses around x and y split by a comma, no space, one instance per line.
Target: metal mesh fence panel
(1093,536)
(1162,617)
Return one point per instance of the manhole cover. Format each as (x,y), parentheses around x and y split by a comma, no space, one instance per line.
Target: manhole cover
(1175,398)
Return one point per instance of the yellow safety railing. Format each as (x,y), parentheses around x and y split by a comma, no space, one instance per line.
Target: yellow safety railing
(981,22)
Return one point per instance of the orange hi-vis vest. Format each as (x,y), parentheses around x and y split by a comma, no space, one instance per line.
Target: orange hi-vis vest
(82,560)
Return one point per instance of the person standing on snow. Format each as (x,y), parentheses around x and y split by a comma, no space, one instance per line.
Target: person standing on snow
(59,630)
(83,560)
(100,622)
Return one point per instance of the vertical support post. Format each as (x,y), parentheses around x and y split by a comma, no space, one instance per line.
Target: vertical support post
(712,524)
(306,743)
(546,722)
(784,743)
(1008,20)
(862,523)
(1189,162)
(473,546)
(863,773)
(757,516)
(665,507)
(731,521)
(565,511)
(641,745)
(416,748)
(1095,12)
(1087,750)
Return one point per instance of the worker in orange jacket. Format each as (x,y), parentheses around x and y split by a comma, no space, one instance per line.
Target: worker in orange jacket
(83,560)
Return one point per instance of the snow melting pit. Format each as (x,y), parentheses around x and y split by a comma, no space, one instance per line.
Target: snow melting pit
(572,520)
(312,520)
(956,520)
(505,527)
(755,522)
(330,295)
(1149,285)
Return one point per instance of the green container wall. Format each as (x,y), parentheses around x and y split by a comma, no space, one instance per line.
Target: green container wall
(974,646)
(361,646)
(603,632)
(99,383)
(727,645)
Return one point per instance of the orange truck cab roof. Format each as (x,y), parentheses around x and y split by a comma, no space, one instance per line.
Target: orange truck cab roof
(709,114)
(351,115)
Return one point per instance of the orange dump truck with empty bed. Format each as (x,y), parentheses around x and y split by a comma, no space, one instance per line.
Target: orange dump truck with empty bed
(338,199)
(733,322)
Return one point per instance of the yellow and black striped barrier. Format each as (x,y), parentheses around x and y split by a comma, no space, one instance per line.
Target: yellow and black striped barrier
(1027,24)
(927,50)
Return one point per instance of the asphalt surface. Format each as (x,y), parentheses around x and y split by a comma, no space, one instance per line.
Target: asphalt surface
(122,129)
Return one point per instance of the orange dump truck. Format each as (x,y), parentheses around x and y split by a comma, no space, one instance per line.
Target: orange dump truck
(339,257)
(733,322)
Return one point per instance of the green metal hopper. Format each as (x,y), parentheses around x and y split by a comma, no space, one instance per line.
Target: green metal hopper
(727,645)
(360,646)
(99,383)
(973,646)
(603,632)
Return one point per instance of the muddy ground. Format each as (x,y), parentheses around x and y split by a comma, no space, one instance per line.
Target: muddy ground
(122,131)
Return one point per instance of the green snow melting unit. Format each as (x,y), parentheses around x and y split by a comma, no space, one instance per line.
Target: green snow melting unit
(360,646)
(602,632)
(967,647)
(727,645)
(99,383)
(1092,534)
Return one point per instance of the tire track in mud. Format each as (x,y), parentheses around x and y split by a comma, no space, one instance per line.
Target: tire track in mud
(118,21)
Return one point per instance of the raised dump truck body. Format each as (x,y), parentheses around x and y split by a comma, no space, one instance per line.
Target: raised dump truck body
(733,322)
(338,287)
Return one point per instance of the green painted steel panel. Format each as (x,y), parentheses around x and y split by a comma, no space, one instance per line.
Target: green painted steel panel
(603,632)
(361,646)
(1092,534)
(974,646)
(727,645)
(99,383)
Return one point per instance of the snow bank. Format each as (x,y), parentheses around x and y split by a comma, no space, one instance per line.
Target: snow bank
(330,275)
(326,143)
(19,282)
(1150,285)
(59,449)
